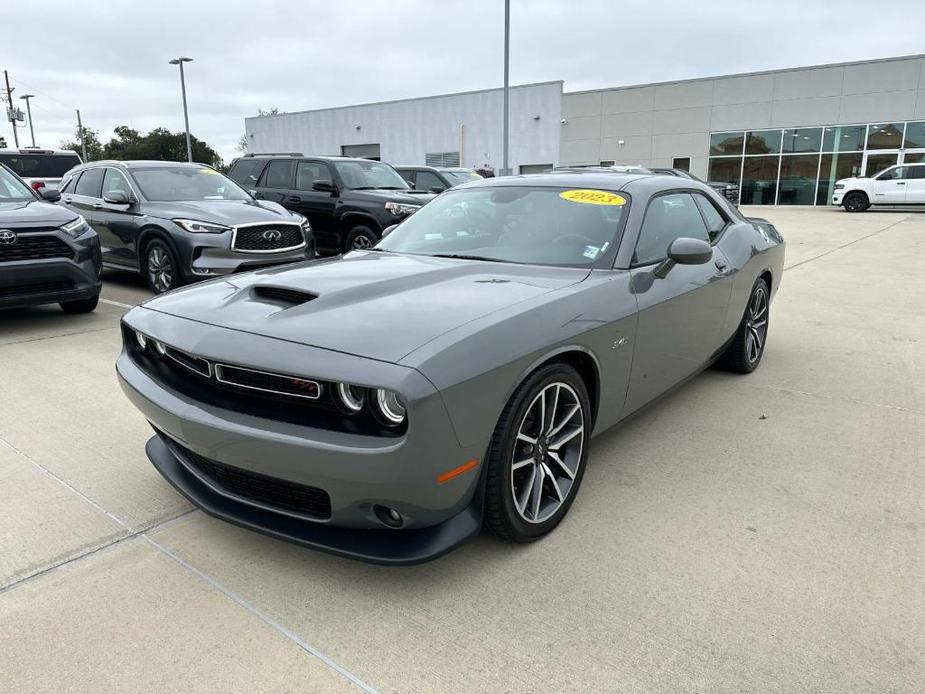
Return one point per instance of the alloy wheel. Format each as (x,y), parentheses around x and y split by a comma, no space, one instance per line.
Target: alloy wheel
(362,241)
(160,269)
(547,452)
(756,324)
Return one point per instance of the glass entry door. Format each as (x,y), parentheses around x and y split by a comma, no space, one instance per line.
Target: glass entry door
(875,162)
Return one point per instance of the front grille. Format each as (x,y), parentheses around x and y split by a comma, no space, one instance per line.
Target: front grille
(266,490)
(268,237)
(197,364)
(35,247)
(278,384)
(35,288)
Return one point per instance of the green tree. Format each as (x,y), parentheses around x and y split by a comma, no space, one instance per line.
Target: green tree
(241,146)
(159,144)
(91,140)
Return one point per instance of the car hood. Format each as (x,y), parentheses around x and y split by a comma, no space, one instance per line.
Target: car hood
(229,212)
(33,212)
(853,179)
(371,304)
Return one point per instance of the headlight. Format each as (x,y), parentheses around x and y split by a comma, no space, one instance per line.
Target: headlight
(400,209)
(839,186)
(75,228)
(201,227)
(351,397)
(390,407)
(141,340)
(304,223)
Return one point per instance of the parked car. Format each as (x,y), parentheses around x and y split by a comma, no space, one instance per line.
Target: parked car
(435,180)
(897,185)
(613,168)
(48,255)
(177,222)
(40,167)
(385,404)
(728,190)
(348,201)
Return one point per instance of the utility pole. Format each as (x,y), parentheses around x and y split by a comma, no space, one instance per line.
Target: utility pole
(26,97)
(189,147)
(80,134)
(505,170)
(11,113)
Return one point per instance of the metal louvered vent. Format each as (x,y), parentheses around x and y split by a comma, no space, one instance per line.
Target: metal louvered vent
(442,159)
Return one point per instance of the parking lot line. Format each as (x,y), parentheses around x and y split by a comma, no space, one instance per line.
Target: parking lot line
(116,303)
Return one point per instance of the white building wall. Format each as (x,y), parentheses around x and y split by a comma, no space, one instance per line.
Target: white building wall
(658,122)
(407,130)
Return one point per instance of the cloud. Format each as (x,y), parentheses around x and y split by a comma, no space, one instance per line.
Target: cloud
(111,61)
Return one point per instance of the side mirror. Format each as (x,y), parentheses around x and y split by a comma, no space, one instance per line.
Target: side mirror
(388,230)
(50,194)
(324,186)
(685,251)
(116,197)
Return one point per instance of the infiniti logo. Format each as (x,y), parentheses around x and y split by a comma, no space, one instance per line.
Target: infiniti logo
(272,235)
(7,237)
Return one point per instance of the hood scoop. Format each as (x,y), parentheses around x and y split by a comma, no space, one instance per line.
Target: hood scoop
(283,296)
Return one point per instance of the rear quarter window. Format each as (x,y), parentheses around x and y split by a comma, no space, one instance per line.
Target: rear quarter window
(245,172)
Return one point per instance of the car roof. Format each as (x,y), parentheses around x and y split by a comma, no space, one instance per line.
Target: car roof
(38,150)
(562,178)
(294,155)
(139,163)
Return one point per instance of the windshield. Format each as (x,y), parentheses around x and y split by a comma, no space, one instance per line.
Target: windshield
(359,175)
(12,189)
(457,177)
(40,165)
(185,184)
(522,224)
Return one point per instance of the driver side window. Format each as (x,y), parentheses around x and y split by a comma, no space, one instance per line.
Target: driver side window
(113,181)
(896,174)
(668,217)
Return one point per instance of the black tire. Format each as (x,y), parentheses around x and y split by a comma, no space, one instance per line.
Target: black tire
(360,237)
(502,516)
(160,267)
(80,306)
(741,355)
(856,201)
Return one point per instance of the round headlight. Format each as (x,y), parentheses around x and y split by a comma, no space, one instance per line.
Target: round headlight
(351,397)
(141,340)
(390,407)
(159,348)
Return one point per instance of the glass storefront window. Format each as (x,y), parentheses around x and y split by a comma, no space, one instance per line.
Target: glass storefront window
(913,157)
(885,136)
(797,140)
(797,185)
(727,143)
(726,169)
(759,181)
(915,135)
(763,142)
(878,162)
(844,138)
(834,167)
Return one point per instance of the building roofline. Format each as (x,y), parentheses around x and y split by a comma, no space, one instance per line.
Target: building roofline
(413,98)
(749,74)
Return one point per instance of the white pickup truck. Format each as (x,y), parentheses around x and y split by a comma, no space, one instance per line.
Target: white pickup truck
(897,185)
(40,168)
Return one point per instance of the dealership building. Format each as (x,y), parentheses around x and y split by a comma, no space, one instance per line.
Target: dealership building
(784,136)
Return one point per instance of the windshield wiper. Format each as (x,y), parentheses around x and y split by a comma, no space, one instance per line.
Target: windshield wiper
(390,188)
(462,256)
(364,188)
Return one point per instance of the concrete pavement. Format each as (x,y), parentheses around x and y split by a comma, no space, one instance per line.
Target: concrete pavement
(761,533)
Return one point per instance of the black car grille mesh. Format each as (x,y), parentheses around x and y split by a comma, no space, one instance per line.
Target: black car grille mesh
(268,237)
(35,247)
(269,491)
(35,288)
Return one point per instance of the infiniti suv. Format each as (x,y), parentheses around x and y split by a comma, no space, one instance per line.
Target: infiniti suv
(47,255)
(177,223)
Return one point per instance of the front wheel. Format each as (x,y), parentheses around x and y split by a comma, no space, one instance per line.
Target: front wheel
(747,347)
(360,238)
(538,454)
(161,268)
(856,202)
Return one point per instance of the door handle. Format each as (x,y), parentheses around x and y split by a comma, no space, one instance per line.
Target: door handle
(900,183)
(293,198)
(720,264)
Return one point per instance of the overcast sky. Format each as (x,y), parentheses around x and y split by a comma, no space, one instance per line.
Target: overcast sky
(110,60)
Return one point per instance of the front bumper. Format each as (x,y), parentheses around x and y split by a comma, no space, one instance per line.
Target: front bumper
(53,280)
(837,197)
(358,472)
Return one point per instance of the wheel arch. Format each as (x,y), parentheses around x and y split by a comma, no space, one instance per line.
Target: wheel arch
(352,219)
(580,358)
(152,231)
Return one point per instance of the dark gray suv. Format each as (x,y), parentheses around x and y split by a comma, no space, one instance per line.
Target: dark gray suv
(177,223)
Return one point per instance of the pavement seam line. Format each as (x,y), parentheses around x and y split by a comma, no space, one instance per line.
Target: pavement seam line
(58,335)
(263,616)
(836,398)
(76,558)
(116,303)
(845,245)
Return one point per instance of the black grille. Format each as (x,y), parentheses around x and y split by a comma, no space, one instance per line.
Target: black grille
(35,247)
(269,382)
(268,237)
(35,288)
(197,364)
(270,491)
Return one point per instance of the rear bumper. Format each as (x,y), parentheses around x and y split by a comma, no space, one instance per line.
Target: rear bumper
(54,280)
(392,547)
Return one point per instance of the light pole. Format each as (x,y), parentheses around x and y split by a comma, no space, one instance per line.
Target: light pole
(29,111)
(505,171)
(189,147)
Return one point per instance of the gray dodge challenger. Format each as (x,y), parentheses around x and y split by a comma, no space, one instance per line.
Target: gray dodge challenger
(386,404)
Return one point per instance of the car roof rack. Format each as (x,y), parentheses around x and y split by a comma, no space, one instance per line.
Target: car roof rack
(274,154)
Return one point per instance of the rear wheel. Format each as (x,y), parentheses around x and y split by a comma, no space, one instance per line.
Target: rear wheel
(856,201)
(80,306)
(747,347)
(538,454)
(161,268)
(359,238)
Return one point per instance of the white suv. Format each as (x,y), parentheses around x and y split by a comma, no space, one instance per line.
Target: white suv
(40,168)
(897,185)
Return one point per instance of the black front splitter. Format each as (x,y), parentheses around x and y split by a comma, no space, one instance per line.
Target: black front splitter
(391,547)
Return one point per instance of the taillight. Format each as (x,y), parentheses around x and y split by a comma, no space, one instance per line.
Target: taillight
(37,184)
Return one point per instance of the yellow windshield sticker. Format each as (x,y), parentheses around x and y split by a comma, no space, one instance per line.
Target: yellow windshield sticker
(592,197)
(209,171)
